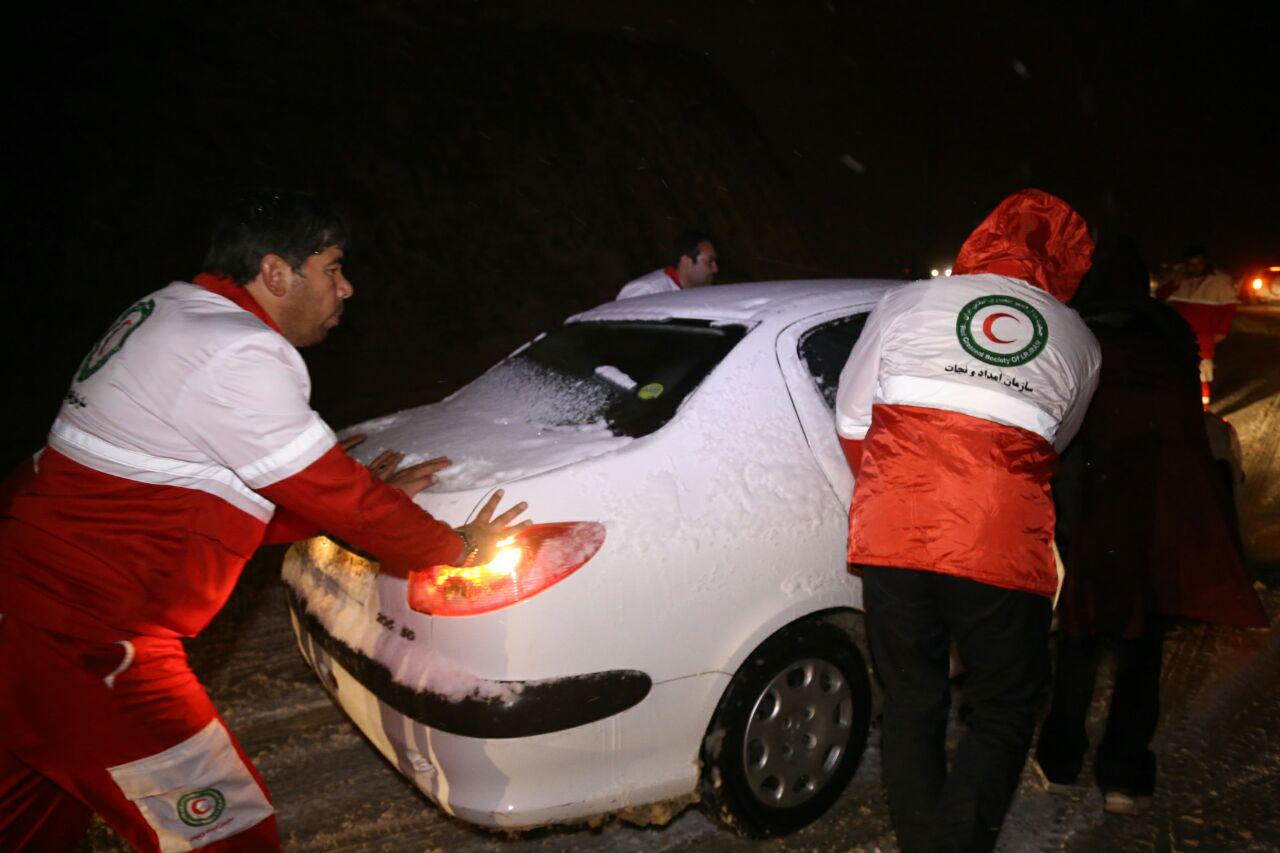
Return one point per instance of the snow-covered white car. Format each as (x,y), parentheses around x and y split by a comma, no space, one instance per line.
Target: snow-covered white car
(677,623)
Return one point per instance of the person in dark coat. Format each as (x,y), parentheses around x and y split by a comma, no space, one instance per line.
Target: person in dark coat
(1144,527)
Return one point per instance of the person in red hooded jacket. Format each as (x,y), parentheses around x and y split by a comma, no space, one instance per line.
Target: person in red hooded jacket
(952,409)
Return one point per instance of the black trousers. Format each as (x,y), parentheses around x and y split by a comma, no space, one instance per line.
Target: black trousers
(1003,639)
(1124,762)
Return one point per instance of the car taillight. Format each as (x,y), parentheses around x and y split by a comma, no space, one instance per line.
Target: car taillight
(526,564)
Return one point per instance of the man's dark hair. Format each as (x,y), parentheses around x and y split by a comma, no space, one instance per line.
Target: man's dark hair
(293,225)
(687,244)
(1195,250)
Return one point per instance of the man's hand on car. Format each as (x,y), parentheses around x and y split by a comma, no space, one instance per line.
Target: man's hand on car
(482,534)
(386,466)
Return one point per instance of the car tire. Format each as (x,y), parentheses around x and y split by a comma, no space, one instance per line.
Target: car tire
(789,731)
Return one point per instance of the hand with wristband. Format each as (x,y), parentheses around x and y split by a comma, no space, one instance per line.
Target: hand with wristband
(480,537)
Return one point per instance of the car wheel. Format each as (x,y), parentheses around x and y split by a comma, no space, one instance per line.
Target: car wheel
(789,731)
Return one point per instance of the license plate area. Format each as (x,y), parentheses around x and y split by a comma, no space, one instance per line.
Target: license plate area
(343,572)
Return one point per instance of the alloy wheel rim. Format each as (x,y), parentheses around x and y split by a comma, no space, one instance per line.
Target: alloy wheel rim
(798,733)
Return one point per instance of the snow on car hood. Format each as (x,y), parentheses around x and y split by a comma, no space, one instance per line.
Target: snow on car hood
(513,422)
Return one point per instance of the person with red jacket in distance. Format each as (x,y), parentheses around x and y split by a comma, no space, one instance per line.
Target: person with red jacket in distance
(1207,299)
(952,409)
(185,441)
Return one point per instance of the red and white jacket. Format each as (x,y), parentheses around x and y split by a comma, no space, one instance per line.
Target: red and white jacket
(1208,304)
(185,441)
(658,281)
(958,396)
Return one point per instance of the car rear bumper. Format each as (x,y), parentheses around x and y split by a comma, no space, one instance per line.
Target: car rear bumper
(645,754)
(536,707)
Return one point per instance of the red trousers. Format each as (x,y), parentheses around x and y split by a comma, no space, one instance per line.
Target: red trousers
(125,730)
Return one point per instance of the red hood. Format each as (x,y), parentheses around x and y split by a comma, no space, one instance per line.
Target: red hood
(1033,236)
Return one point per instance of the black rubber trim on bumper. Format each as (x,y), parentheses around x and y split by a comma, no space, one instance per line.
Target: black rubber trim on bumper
(540,707)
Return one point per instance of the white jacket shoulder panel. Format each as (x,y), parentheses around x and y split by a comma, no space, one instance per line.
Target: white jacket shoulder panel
(985,345)
(655,282)
(186,377)
(1215,288)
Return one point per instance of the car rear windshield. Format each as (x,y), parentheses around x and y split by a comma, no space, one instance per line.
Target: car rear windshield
(631,376)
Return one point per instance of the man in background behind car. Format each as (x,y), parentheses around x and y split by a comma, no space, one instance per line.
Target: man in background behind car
(694,264)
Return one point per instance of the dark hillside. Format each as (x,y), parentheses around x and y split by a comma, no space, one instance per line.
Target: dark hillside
(498,178)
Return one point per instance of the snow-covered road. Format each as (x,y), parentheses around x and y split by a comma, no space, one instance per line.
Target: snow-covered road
(1218,743)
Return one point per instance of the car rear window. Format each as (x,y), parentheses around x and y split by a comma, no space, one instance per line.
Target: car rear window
(631,376)
(826,348)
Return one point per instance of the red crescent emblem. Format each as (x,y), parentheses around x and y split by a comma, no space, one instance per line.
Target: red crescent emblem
(987,323)
(200,807)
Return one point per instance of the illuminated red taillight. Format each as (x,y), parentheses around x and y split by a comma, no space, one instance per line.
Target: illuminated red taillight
(534,559)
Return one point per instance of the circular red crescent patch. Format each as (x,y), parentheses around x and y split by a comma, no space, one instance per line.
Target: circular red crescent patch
(975,329)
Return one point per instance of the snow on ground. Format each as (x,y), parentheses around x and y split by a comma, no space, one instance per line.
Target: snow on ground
(1219,776)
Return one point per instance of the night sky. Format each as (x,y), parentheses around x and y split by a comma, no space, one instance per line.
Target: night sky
(509,163)
(1159,119)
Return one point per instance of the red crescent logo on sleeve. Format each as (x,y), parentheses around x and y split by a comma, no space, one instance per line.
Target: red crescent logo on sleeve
(990,321)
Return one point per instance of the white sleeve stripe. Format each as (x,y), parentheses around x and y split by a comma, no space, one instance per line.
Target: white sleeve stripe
(967,400)
(93,452)
(851,429)
(265,471)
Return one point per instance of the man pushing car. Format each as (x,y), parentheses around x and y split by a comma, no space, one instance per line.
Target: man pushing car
(186,440)
(952,409)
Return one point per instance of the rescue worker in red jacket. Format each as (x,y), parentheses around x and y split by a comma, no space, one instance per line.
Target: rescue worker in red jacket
(185,441)
(952,409)
(694,264)
(1207,299)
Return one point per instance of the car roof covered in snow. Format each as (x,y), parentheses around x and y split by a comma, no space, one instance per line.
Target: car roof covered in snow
(744,303)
